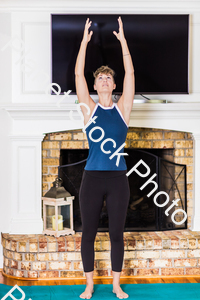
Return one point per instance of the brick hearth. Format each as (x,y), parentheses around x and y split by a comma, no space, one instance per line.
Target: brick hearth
(146,253)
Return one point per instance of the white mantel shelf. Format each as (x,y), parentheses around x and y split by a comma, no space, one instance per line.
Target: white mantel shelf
(177,109)
(171,116)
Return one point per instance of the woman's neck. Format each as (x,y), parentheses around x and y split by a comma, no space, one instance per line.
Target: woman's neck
(105,100)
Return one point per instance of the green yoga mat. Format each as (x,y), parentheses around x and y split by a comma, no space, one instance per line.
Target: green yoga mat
(154,291)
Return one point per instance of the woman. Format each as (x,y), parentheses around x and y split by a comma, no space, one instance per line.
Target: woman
(104,175)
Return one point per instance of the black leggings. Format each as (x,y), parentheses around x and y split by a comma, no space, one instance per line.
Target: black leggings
(94,185)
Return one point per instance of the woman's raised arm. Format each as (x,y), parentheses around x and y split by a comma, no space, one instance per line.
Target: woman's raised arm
(125,102)
(80,81)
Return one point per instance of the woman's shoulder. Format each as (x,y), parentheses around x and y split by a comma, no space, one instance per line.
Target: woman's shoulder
(121,112)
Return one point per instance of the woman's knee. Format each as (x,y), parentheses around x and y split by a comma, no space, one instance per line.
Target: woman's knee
(116,236)
(88,235)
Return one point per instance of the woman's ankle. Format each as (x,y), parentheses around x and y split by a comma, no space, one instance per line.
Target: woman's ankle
(116,278)
(89,278)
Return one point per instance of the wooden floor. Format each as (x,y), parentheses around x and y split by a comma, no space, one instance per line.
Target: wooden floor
(103,280)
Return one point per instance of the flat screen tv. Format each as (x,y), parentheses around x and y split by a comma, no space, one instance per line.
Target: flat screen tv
(158,45)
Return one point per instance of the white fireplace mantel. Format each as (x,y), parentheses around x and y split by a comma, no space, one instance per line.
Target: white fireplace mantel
(24,128)
(172,116)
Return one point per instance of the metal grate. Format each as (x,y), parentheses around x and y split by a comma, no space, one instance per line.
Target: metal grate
(142,213)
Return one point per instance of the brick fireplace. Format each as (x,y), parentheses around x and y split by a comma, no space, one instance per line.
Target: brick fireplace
(181,144)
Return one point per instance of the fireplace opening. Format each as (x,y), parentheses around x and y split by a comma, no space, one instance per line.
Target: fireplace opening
(142,213)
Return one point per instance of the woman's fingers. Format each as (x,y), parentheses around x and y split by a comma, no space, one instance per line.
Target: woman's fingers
(116,34)
(88,23)
(87,34)
(120,21)
(120,34)
(120,24)
(121,30)
(90,35)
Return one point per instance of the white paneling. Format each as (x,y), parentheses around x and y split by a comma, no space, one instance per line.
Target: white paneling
(31,65)
(5,175)
(36,62)
(26,183)
(26,179)
(5,170)
(5,58)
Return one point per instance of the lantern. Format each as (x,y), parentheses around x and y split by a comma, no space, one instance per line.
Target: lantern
(58,211)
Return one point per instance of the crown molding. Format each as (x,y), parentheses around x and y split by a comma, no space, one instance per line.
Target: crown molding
(92,6)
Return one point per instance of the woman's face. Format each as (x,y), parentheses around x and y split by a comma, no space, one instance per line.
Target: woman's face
(104,82)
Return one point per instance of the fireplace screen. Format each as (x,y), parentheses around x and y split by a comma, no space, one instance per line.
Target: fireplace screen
(153,206)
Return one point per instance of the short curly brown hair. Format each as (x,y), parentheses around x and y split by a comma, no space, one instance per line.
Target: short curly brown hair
(104,70)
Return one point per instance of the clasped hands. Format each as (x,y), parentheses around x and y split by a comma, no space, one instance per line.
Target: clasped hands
(87,35)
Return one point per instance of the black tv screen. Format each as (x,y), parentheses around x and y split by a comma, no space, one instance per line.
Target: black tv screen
(158,45)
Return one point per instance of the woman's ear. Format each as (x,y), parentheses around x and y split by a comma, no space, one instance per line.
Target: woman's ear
(95,87)
(114,87)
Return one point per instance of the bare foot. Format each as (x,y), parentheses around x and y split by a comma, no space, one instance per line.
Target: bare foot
(119,293)
(87,294)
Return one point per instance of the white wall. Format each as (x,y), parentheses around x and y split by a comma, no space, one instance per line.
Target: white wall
(5,59)
(5,175)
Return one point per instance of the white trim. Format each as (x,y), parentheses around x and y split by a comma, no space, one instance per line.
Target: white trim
(120,113)
(26,226)
(106,107)
(144,6)
(50,111)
